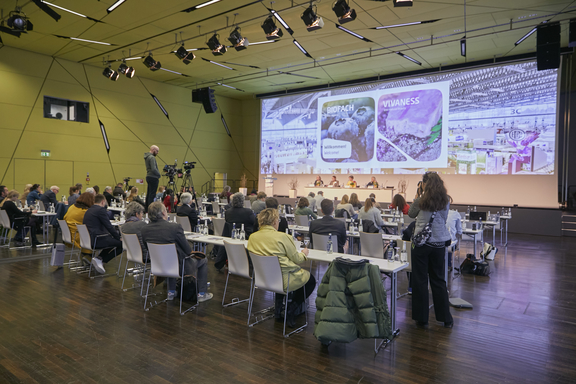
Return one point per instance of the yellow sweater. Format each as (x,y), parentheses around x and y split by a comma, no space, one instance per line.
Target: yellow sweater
(75,216)
(269,242)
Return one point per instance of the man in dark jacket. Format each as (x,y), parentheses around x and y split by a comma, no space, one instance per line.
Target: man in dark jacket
(161,231)
(3,193)
(187,210)
(152,174)
(102,234)
(119,190)
(329,225)
(239,215)
(108,195)
(271,202)
(49,197)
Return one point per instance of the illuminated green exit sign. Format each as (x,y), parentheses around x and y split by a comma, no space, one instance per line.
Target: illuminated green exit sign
(44,153)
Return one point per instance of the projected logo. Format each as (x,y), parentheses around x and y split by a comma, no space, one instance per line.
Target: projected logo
(410,126)
(347,130)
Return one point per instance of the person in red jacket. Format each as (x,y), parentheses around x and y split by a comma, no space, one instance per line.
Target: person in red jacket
(398,201)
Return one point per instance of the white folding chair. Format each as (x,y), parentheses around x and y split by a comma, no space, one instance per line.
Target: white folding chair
(164,263)
(371,245)
(86,243)
(41,206)
(5,222)
(238,265)
(131,244)
(184,222)
(215,208)
(320,242)
(67,239)
(218,226)
(301,220)
(247,204)
(268,277)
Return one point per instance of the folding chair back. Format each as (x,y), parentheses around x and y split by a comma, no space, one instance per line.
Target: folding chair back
(215,207)
(184,222)
(66,235)
(371,245)
(132,246)
(5,219)
(237,259)
(218,226)
(41,206)
(267,273)
(301,220)
(163,260)
(247,204)
(85,241)
(320,242)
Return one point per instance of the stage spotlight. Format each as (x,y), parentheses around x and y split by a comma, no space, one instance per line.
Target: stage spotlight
(184,55)
(237,40)
(19,22)
(343,11)
(110,73)
(126,70)
(269,27)
(217,48)
(311,19)
(403,3)
(151,63)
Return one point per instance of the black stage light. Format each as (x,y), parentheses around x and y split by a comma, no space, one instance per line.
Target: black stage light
(214,45)
(311,19)
(19,22)
(343,11)
(269,27)
(403,3)
(237,40)
(151,63)
(184,55)
(110,73)
(126,70)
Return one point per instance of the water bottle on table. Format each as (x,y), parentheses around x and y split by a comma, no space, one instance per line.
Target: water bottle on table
(329,245)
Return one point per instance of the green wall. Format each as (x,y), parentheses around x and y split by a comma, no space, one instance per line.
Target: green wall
(132,119)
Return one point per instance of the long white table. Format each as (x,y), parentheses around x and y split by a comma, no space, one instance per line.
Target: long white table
(389,268)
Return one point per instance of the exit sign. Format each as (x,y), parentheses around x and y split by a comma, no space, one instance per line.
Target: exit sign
(44,153)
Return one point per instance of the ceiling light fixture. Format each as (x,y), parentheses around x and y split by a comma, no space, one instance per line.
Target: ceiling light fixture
(295,74)
(240,43)
(83,40)
(177,73)
(529,33)
(463,46)
(127,71)
(301,48)
(264,42)
(343,11)
(151,63)
(160,105)
(311,19)
(214,45)
(184,55)
(281,21)
(408,58)
(403,3)
(407,24)
(242,65)
(269,27)
(115,5)
(134,58)
(225,125)
(19,22)
(229,86)
(104,136)
(110,74)
(221,65)
(353,33)
(43,5)
(200,6)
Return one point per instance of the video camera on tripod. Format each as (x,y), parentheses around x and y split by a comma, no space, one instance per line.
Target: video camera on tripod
(172,171)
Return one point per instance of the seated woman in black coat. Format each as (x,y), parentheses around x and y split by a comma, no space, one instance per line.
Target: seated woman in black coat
(134,197)
(19,219)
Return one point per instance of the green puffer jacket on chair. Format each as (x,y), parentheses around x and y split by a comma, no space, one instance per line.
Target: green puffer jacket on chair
(351,303)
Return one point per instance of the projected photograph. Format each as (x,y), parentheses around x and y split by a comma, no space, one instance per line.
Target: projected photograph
(493,120)
(347,130)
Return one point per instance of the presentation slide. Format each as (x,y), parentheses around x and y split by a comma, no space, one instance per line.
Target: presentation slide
(495,120)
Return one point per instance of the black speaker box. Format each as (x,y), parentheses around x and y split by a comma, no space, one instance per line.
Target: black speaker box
(206,97)
(548,46)
(572,34)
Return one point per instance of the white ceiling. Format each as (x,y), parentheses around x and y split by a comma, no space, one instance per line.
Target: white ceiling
(141,26)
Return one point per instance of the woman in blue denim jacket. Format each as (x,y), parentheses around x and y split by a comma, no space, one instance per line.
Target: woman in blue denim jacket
(34,194)
(428,259)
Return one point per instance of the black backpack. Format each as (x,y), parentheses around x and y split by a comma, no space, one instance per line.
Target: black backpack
(189,291)
(478,268)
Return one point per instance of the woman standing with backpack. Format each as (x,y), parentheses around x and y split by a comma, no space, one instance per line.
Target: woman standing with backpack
(430,207)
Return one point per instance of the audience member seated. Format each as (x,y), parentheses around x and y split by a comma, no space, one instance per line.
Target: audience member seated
(19,219)
(354,201)
(96,189)
(271,202)
(225,194)
(102,234)
(160,231)
(34,195)
(169,199)
(311,201)
(398,201)
(134,223)
(73,195)
(375,204)
(134,196)
(351,183)
(75,216)
(318,182)
(328,224)
(159,194)
(369,212)
(119,190)
(187,210)
(91,190)
(334,182)
(50,197)
(345,205)
(108,195)
(239,215)
(269,242)
(302,209)
(79,185)
(253,196)
(372,182)
(318,199)
(23,198)
(3,193)
(259,204)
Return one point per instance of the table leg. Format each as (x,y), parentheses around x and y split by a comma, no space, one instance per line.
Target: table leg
(506,244)
(475,244)
(494,235)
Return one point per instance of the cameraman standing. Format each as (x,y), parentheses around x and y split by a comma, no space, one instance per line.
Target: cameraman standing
(152,174)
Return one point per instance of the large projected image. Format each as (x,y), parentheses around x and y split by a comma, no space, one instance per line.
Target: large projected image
(497,120)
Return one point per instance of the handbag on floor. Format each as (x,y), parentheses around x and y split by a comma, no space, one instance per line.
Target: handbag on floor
(57,259)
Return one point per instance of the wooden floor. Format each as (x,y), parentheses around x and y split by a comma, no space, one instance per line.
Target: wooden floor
(60,327)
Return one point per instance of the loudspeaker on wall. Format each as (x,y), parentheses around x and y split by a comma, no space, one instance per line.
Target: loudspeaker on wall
(206,97)
(548,46)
